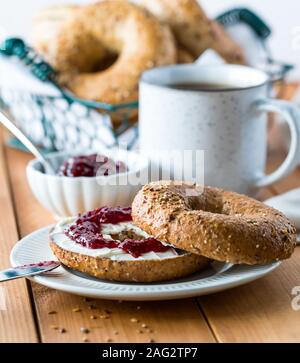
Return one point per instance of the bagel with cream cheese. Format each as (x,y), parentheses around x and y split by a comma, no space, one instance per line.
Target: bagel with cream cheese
(118,265)
(214,223)
(131,271)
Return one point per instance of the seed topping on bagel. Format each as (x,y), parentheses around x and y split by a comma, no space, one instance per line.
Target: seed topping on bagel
(215,223)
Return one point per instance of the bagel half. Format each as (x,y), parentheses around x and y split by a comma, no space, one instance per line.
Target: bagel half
(126,268)
(131,271)
(214,223)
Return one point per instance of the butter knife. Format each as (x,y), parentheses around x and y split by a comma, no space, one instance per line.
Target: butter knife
(27,270)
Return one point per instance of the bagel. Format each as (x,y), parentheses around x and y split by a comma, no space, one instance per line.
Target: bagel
(46,23)
(124,31)
(184,56)
(116,265)
(131,271)
(193,30)
(46,26)
(217,224)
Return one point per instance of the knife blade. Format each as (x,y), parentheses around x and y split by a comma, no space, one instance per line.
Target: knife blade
(27,270)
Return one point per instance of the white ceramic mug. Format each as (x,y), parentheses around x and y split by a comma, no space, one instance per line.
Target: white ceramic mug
(229,124)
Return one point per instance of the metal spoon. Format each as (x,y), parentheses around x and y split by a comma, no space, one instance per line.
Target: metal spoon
(27,270)
(48,168)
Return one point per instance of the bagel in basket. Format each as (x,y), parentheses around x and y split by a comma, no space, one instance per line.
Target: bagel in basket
(140,258)
(193,30)
(217,224)
(85,37)
(47,22)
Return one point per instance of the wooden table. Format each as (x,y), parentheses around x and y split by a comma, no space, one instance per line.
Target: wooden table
(258,312)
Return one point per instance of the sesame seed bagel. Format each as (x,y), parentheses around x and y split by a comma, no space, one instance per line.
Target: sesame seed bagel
(131,271)
(194,30)
(133,37)
(47,22)
(215,223)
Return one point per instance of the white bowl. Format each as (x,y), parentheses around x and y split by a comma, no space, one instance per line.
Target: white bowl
(68,196)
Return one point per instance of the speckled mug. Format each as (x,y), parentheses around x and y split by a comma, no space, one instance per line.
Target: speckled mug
(229,124)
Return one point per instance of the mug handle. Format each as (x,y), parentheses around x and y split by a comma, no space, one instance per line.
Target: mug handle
(291,115)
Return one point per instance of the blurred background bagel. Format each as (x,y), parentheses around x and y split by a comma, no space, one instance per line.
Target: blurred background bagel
(87,38)
(193,30)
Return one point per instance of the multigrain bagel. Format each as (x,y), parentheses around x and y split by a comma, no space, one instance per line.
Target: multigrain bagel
(136,38)
(46,26)
(193,29)
(217,224)
(131,271)
(77,244)
(47,22)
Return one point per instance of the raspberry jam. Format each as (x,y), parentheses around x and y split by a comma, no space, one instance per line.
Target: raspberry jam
(91,165)
(106,215)
(138,248)
(86,231)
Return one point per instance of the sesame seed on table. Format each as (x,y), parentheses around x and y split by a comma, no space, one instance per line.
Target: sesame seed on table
(257,312)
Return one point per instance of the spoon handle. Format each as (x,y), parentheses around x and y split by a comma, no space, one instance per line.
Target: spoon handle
(25,141)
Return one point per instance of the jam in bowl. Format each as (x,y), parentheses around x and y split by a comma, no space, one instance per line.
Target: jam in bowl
(91,165)
(87,179)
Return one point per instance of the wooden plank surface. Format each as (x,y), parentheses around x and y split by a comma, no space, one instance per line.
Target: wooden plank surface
(260,311)
(170,321)
(16,318)
(257,312)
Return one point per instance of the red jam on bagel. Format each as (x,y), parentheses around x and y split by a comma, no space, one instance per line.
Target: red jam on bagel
(87,231)
(106,244)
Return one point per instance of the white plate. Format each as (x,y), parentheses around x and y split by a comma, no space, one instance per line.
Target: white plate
(219,277)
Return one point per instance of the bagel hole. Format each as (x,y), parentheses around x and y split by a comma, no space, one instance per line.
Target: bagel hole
(135,236)
(121,236)
(105,63)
